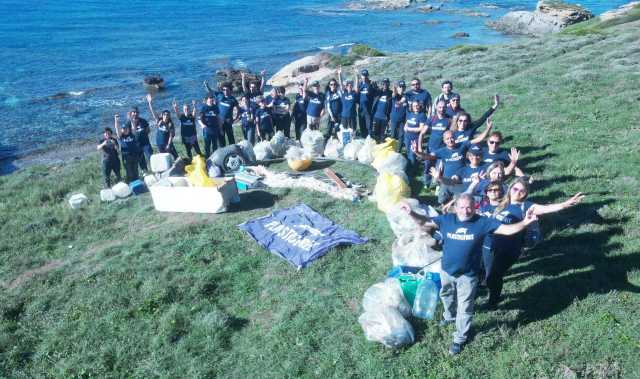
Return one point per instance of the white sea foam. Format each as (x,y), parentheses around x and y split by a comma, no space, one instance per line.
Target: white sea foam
(76,93)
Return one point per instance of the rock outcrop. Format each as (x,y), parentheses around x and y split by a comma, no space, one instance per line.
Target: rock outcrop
(549,17)
(620,11)
(382,4)
(313,67)
(234,78)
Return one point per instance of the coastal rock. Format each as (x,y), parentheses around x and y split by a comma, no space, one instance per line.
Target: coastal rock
(234,76)
(428,8)
(620,11)
(460,35)
(382,4)
(549,17)
(313,67)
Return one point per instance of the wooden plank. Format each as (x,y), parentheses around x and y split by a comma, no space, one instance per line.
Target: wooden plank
(332,175)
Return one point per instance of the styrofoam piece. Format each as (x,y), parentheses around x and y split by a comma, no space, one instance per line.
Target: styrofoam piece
(78,200)
(107,195)
(121,190)
(161,162)
(194,199)
(178,181)
(150,180)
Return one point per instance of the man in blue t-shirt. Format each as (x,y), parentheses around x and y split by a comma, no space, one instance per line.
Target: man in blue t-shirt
(447,92)
(315,105)
(349,99)
(210,124)
(398,113)
(461,179)
(416,93)
(493,152)
(462,237)
(381,109)
(366,92)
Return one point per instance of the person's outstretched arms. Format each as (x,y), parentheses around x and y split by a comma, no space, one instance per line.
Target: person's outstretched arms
(478,123)
(539,209)
(484,134)
(262,74)
(511,229)
(423,221)
(116,125)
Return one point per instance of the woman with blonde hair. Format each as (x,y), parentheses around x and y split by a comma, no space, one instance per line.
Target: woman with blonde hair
(507,249)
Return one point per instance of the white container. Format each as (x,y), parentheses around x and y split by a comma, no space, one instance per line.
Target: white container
(107,195)
(150,180)
(78,200)
(194,199)
(121,190)
(161,162)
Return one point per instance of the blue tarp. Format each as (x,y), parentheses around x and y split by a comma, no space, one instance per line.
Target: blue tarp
(299,234)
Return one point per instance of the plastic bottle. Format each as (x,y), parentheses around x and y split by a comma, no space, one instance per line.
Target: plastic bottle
(426,300)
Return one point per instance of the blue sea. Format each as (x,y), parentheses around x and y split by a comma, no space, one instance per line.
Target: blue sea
(67,67)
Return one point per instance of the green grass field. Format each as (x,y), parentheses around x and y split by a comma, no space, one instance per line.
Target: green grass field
(119,290)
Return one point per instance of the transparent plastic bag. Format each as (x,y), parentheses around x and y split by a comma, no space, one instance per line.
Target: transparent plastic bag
(401,223)
(414,250)
(345,135)
(247,148)
(390,189)
(386,294)
(278,144)
(333,149)
(365,154)
(312,142)
(263,150)
(387,326)
(351,150)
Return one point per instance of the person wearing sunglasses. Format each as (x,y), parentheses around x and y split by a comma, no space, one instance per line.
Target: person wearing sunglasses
(333,107)
(461,180)
(381,110)
(349,99)
(447,92)
(228,111)
(495,172)
(506,250)
(366,93)
(464,128)
(495,153)
(416,93)
(398,115)
(462,234)
(454,107)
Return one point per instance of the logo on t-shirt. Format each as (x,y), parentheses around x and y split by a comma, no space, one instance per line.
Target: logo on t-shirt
(461,235)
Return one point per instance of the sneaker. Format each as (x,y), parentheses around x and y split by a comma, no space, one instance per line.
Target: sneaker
(455,348)
(446,322)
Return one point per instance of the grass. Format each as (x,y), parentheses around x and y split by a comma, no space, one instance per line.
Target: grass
(120,290)
(596,26)
(466,49)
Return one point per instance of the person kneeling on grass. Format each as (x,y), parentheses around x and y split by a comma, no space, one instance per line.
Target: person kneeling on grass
(462,235)
(110,161)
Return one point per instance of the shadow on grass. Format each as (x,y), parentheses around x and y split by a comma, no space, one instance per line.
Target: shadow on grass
(573,266)
(256,199)
(321,165)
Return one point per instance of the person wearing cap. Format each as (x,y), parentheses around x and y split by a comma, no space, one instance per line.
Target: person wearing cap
(252,90)
(494,153)
(349,99)
(110,162)
(334,108)
(463,233)
(140,127)
(381,109)
(447,92)
(209,122)
(366,93)
(188,132)
(454,107)
(398,115)
(165,130)
(229,111)
(299,112)
(461,179)
(129,148)
(416,93)
(315,106)
(451,157)
(464,128)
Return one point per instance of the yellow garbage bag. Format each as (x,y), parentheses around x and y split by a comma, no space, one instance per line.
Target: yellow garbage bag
(197,173)
(382,151)
(389,190)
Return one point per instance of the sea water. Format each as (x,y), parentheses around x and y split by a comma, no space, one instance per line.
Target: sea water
(67,67)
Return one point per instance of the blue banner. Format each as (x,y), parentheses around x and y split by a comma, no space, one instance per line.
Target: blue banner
(299,235)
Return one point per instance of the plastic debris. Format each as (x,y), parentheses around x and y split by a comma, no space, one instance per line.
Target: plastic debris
(387,326)
(78,200)
(386,294)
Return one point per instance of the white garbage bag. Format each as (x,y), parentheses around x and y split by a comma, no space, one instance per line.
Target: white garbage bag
(414,250)
(263,150)
(333,149)
(386,294)
(351,150)
(394,163)
(387,326)
(401,223)
(278,144)
(312,142)
(121,190)
(365,154)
